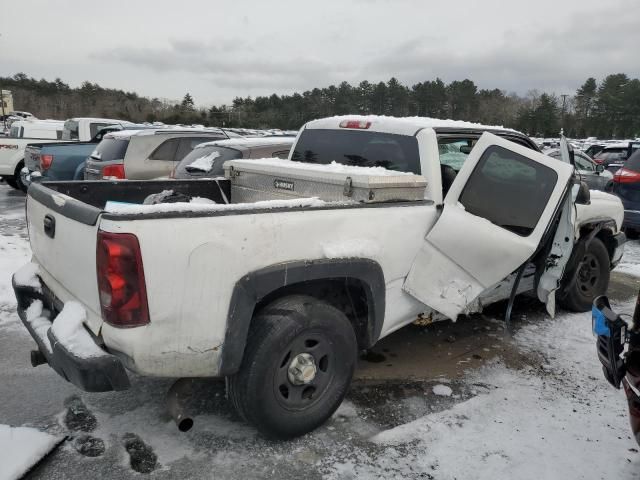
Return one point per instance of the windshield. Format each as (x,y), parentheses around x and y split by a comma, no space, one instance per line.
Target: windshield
(110,149)
(207,160)
(358,148)
(70,131)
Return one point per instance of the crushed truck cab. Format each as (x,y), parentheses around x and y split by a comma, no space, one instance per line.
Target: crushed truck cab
(287,269)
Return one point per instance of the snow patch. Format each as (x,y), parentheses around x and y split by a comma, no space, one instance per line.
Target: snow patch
(128,209)
(564,421)
(39,324)
(630,262)
(353,248)
(68,327)
(332,167)
(21,448)
(205,163)
(442,390)
(27,276)
(202,200)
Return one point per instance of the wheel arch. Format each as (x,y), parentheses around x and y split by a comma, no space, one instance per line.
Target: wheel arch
(357,281)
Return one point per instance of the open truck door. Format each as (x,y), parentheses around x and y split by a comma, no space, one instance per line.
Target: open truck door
(494,217)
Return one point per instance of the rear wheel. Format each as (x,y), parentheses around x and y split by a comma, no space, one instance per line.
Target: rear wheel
(297,366)
(591,278)
(17,178)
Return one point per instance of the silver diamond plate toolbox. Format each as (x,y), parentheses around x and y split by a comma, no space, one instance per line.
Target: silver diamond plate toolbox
(255,180)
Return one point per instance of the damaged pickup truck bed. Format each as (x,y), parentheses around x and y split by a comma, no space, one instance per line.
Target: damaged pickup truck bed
(279,296)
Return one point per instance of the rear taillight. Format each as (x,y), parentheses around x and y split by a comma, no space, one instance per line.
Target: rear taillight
(625,175)
(359,124)
(173,173)
(121,284)
(113,171)
(45,161)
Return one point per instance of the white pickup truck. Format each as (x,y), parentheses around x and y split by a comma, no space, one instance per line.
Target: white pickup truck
(279,296)
(12,148)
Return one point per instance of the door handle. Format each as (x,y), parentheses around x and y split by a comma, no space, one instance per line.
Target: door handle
(49,226)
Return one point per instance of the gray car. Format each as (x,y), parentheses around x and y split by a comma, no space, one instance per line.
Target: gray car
(144,154)
(596,177)
(206,159)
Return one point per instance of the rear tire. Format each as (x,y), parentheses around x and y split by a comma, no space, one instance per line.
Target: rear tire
(297,366)
(17,179)
(591,278)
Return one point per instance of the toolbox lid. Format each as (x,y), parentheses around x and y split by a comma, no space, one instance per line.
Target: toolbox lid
(333,173)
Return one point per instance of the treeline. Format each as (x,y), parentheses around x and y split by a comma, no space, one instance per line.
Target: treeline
(58,100)
(609,109)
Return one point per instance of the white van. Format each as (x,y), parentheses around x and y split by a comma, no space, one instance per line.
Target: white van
(40,129)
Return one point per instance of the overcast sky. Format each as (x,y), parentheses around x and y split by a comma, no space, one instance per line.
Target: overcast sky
(220,50)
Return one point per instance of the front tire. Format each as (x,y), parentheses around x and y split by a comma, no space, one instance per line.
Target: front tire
(297,366)
(591,278)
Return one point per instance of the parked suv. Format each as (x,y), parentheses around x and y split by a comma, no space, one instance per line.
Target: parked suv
(206,159)
(144,154)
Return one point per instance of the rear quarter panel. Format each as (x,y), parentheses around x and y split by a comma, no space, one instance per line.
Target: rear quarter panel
(191,266)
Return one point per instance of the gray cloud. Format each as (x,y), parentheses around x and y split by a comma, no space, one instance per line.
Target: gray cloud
(253,48)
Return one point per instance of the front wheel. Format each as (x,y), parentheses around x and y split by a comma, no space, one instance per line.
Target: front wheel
(297,367)
(590,280)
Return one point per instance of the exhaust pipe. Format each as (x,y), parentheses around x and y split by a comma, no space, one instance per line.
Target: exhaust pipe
(37,358)
(180,391)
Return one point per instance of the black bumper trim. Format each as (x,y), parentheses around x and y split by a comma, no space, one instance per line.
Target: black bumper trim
(95,374)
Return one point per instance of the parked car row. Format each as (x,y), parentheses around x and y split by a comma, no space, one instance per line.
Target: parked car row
(12,149)
(98,148)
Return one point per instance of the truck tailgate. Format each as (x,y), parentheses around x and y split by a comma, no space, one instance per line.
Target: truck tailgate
(63,233)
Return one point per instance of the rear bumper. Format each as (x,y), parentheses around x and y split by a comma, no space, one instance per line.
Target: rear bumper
(99,373)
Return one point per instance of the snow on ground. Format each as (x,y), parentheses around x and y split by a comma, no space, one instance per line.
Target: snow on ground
(14,253)
(442,390)
(562,421)
(630,263)
(21,448)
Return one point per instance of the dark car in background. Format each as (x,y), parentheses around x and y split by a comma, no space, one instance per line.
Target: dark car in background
(626,185)
(206,159)
(616,154)
(595,175)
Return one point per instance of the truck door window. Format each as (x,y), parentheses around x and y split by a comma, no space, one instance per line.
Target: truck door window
(166,151)
(509,190)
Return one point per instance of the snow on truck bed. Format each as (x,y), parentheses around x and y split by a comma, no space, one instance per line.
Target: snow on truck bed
(202,205)
(197,205)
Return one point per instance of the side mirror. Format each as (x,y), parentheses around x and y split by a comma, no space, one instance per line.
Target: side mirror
(584,196)
(572,156)
(599,168)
